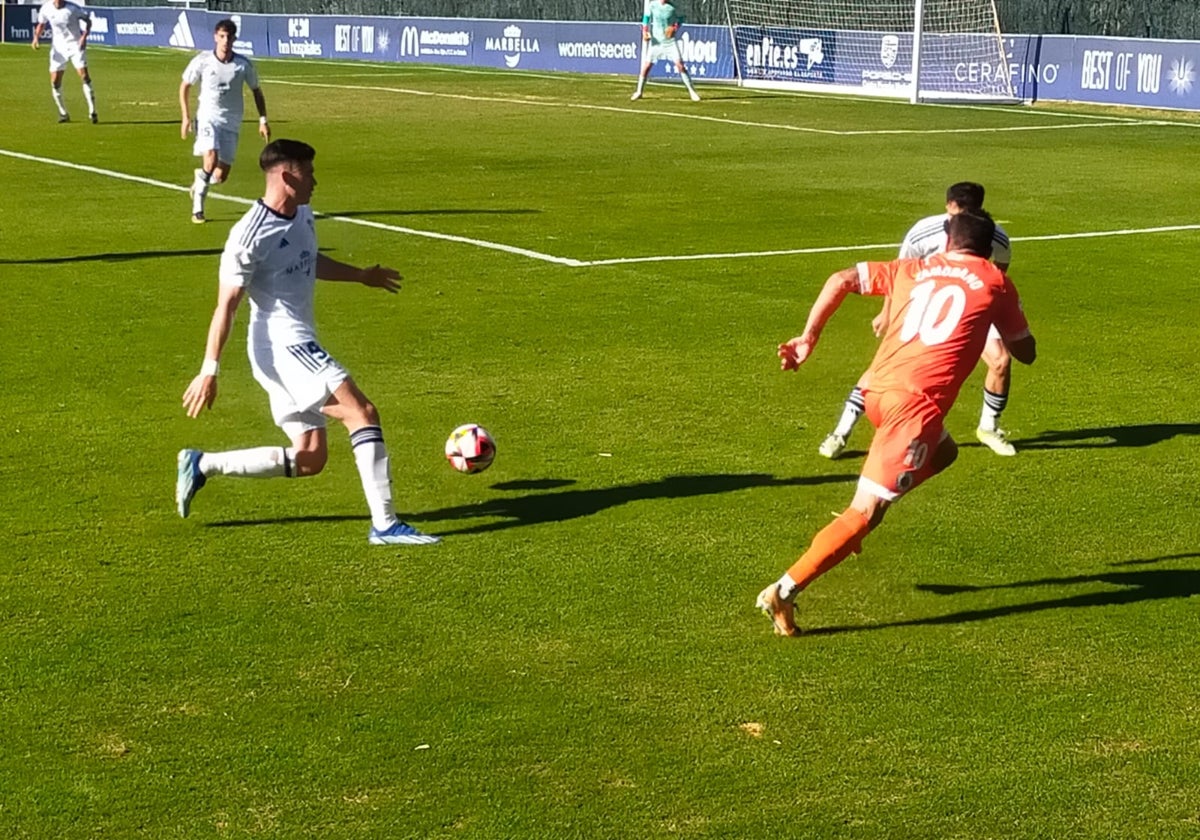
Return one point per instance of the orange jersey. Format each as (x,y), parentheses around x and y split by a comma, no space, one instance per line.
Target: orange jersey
(941,308)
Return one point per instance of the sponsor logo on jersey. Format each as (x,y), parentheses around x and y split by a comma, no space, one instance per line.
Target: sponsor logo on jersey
(512,45)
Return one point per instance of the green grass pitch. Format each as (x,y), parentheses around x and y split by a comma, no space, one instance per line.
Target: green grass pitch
(1013,656)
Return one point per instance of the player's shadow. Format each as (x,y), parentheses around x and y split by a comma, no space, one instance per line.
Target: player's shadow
(140,122)
(538,508)
(286,520)
(1103,437)
(351,214)
(1136,586)
(115,256)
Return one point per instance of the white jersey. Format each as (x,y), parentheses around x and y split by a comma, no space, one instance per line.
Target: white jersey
(928,237)
(275,259)
(220,102)
(67,24)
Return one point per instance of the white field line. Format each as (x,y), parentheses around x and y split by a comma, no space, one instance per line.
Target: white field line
(427,234)
(706,118)
(573,263)
(890,246)
(402,70)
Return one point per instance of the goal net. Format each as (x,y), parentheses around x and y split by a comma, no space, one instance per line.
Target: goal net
(917,49)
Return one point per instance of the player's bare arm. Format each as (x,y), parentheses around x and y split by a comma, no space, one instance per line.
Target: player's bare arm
(185,109)
(793,353)
(260,102)
(37,36)
(202,391)
(376,276)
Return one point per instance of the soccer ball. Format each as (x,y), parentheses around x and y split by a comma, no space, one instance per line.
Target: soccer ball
(470,449)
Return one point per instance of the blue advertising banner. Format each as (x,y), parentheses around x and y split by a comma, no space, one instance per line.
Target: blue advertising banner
(594,48)
(19,22)
(1116,71)
(435,40)
(777,54)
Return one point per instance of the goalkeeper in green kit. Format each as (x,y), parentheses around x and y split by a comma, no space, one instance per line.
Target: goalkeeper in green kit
(660,23)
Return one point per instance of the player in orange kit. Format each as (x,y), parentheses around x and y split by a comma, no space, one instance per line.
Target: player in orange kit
(941,309)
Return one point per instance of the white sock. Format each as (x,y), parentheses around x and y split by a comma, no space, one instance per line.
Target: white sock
(641,83)
(261,462)
(58,100)
(787,587)
(851,411)
(90,96)
(687,81)
(993,405)
(372,459)
(200,190)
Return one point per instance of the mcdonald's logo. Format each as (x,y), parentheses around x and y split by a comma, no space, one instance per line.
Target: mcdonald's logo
(409,41)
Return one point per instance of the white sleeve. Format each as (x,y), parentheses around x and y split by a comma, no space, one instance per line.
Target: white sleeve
(191,73)
(1001,247)
(237,263)
(908,248)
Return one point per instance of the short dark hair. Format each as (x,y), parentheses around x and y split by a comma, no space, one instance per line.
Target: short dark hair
(971,231)
(966,194)
(285,151)
(226,25)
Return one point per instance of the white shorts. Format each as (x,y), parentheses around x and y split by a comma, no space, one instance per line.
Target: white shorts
(299,379)
(667,51)
(59,56)
(993,333)
(222,140)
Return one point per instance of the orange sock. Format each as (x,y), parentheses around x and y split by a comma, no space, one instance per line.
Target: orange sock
(832,544)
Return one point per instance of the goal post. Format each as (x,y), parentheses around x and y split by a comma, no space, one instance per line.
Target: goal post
(920,50)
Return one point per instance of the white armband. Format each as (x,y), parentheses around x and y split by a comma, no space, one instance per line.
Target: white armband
(210,367)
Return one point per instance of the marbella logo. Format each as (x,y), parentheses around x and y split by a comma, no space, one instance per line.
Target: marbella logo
(512,45)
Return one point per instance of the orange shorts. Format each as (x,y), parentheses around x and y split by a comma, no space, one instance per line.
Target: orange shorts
(908,430)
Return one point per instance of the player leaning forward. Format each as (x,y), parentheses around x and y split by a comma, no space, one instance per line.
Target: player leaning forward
(69,26)
(220,74)
(271,256)
(942,307)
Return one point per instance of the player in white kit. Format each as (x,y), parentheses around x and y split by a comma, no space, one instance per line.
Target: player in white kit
(925,238)
(219,107)
(69,26)
(271,256)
